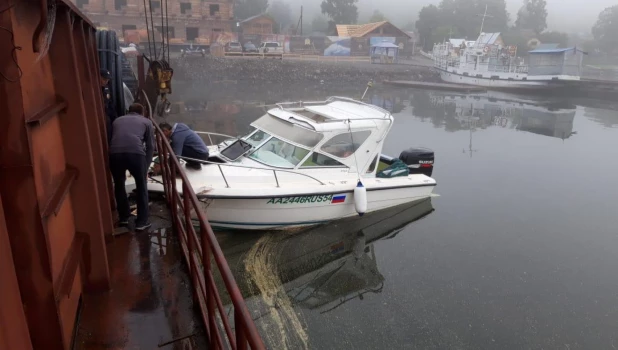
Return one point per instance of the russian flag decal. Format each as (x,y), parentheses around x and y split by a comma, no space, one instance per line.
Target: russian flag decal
(338,199)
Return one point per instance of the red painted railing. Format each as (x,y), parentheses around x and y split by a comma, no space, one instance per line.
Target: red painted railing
(199,253)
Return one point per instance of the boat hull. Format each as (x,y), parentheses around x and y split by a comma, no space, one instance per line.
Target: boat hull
(288,212)
(491,83)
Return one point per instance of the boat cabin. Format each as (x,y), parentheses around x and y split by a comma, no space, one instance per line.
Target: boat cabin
(339,134)
(556,61)
(486,57)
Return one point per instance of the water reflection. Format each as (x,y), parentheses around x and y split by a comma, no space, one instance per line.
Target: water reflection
(471,112)
(452,112)
(317,269)
(330,265)
(605,117)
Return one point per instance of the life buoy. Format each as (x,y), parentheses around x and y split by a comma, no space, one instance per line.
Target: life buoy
(486,49)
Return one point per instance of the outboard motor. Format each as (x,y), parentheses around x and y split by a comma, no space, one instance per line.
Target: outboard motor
(419,160)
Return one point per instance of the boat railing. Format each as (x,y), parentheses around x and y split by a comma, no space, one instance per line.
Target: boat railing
(274,171)
(211,134)
(199,253)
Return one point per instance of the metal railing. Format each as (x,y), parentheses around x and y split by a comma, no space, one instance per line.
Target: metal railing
(274,171)
(199,253)
(254,54)
(211,134)
(322,58)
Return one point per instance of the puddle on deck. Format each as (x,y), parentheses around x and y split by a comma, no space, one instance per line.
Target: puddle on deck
(150,305)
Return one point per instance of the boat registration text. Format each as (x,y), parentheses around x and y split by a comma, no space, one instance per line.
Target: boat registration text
(326,198)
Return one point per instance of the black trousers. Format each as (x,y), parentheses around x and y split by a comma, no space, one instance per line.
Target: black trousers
(191,153)
(137,166)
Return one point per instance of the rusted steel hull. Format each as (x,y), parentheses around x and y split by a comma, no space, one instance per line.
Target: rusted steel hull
(14,332)
(53,179)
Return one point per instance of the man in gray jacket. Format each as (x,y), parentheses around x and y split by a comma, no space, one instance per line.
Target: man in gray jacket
(131,148)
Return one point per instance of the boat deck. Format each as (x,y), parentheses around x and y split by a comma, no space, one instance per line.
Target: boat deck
(150,305)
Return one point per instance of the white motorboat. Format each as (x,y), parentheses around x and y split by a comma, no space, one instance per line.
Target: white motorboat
(306,163)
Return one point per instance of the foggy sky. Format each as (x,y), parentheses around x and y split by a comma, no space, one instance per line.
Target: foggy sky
(563,15)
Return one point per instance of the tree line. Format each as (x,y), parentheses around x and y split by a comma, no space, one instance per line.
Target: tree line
(463,18)
(449,19)
(333,12)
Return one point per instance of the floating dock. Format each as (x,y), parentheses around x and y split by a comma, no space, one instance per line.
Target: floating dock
(436,86)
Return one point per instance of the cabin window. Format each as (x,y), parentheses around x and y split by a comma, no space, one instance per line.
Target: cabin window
(320,160)
(344,145)
(279,153)
(372,167)
(293,132)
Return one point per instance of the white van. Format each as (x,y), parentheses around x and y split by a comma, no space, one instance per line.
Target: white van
(270,47)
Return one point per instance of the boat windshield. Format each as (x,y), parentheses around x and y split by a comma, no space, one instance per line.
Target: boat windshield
(279,153)
(256,137)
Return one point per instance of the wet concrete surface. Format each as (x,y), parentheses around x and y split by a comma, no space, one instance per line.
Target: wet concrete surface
(150,303)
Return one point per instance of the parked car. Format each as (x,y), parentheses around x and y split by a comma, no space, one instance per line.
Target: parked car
(249,47)
(271,47)
(192,51)
(233,47)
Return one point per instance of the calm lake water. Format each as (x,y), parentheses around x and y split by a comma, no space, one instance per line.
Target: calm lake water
(519,251)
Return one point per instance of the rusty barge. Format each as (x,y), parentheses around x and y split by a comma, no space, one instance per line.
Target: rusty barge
(59,256)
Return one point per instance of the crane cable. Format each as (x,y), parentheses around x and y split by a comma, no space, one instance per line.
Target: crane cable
(165,32)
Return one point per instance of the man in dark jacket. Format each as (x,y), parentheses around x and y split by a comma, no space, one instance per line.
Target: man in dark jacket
(186,143)
(131,149)
(108,102)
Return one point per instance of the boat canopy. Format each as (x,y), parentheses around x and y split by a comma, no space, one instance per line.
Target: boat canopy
(336,113)
(320,134)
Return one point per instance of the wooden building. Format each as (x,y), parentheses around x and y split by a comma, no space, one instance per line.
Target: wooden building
(369,30)
(258,25)
(189,20)
(361,37)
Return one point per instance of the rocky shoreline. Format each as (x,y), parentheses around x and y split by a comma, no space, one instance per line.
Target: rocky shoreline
(248,73)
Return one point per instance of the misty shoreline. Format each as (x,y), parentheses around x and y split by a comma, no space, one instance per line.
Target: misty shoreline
(214,74)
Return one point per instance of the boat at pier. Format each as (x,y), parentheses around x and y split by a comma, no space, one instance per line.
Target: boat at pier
(308,163)
(488,62)
(492,64)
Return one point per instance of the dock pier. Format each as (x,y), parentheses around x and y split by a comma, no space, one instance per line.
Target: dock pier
(435,86)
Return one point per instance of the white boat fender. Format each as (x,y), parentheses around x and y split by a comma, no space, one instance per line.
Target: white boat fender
(360,198)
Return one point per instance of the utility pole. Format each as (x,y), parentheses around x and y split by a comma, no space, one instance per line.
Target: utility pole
(299,25)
